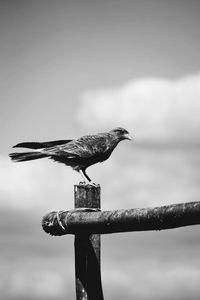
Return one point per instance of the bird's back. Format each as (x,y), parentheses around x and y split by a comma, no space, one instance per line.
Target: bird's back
(83,152)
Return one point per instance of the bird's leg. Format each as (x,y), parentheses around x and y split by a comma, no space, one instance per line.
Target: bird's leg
(86,178)
(83,176)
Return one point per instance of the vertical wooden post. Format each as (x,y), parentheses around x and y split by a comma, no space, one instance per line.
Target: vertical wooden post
(87,249)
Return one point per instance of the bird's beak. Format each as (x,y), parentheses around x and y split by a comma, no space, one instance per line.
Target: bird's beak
(128,137)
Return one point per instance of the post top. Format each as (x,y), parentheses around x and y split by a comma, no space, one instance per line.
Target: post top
(87,186)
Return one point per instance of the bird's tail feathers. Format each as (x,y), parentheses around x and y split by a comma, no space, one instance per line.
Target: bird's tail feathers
(40,145)
(24,156)
(31,145)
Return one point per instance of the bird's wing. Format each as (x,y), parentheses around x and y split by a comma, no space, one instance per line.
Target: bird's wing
(41,145)
(84,147)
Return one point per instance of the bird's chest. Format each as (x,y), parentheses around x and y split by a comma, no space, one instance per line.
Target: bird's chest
(97,158)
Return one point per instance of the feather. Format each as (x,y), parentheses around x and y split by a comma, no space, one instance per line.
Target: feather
(41,145)
(24,156)
(79,154)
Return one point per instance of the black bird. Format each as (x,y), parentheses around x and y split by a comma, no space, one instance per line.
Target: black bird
(78,153)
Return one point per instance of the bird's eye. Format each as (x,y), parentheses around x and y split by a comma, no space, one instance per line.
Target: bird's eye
(120,131)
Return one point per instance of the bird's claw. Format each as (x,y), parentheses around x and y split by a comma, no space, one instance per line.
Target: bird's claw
(58,219)
(93,184)
(88,183)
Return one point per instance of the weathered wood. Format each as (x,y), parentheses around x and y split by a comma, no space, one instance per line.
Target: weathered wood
(139,219)
(87,248)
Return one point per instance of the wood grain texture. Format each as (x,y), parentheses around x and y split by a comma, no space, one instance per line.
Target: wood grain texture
(87,249)
(124,220)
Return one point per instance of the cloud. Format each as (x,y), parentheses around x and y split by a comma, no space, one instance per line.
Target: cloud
(155,111)
(148,280)
(152,108)
(36,185)
(46,284)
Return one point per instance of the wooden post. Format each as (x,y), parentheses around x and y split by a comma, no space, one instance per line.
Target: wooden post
(87,248)
(122,220)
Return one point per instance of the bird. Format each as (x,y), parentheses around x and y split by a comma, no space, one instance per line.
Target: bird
(78,153)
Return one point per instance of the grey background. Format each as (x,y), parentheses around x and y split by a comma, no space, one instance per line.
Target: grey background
(75,67)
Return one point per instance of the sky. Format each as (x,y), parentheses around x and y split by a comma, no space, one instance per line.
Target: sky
(70,68)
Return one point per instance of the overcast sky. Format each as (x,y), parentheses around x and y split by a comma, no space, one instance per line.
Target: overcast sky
(52,52)
(75,67)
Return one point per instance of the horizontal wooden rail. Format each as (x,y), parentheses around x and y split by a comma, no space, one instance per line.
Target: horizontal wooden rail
(83,221)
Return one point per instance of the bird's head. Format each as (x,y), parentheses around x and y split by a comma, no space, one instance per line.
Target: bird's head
(121,133)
